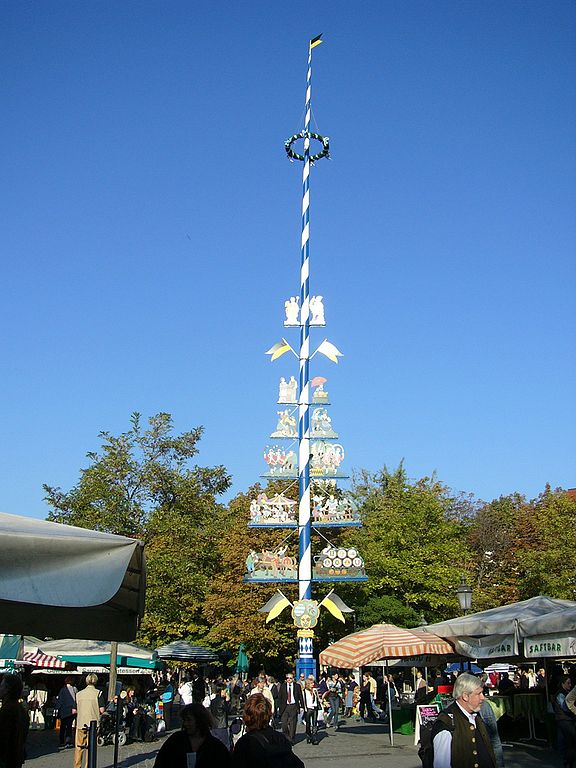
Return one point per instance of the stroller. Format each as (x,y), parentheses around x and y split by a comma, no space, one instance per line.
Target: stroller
(107,727)
(107,730)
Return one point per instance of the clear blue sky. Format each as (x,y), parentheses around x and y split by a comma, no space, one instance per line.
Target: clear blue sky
(150,230)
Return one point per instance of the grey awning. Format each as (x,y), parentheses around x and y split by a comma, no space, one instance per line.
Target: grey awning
(61,581)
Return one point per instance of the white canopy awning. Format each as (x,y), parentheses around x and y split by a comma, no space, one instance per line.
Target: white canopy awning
(498,632)
(61,581)
(534,614)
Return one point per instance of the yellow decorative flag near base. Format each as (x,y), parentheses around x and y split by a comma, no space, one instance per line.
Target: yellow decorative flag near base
(336,605)
(275,606)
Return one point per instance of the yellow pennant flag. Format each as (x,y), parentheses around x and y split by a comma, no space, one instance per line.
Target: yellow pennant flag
(275,605)
(316,41)
(333,608)
(282,603)
(278,349)
(329,350)
(336,605)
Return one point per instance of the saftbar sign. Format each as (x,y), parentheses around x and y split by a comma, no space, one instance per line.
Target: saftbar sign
(492,647)
(549,645)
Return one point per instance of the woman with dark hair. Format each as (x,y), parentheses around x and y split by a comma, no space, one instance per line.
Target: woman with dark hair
(67,711)
(366,710)
(194,738)
(262,746)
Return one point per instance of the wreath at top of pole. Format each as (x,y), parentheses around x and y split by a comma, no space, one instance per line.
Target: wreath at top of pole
(324,140)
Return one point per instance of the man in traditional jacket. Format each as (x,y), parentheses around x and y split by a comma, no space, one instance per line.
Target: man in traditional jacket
(459,736)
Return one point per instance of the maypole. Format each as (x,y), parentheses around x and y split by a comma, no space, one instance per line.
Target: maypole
(305,554)
(318,457)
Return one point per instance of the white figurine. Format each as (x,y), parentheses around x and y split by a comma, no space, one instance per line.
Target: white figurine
(331,506)
(291,308)
(286,426)
(291,388)
(317,310)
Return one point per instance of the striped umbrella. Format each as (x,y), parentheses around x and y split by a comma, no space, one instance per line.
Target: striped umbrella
(39,659)
(382,641)
(180,650)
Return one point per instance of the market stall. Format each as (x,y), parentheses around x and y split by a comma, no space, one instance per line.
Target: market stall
(380,642)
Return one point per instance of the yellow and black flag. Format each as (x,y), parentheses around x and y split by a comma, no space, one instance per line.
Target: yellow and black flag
(316,41)
(278,349)
(336,605)
(275,605)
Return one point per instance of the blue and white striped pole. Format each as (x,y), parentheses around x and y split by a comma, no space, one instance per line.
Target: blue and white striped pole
(305,557)
(306,660)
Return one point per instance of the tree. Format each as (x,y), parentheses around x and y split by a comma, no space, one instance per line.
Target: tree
(140,484)
(524,548)
(493,540)
(232,607)
(412,540)
(546,559)
(386,609)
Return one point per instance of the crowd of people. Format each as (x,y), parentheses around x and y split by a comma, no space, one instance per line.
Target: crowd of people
(191,701)
(266,712)
(240,722)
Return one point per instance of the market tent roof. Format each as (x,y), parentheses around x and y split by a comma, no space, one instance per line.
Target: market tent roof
(497,632)
(97,652)
(379,642)
(500,667)
(560,620)
(183,651)
(63,581)
(534,612)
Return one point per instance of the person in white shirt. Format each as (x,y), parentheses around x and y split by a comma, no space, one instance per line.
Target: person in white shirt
(311,707)
(185,692)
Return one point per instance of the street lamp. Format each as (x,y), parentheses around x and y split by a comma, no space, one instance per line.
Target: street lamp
(464,594)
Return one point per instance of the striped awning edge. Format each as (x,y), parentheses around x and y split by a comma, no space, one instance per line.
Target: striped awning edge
(39,659)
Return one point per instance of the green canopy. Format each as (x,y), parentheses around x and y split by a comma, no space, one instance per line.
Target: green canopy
(10,647)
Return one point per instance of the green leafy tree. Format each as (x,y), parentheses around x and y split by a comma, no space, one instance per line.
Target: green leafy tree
(493,537)
(141,484)
(413,542)
(546,558)
(232,607)
(524,548)
(386,609)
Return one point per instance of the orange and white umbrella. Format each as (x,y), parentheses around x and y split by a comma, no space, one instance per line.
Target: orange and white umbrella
(382,641)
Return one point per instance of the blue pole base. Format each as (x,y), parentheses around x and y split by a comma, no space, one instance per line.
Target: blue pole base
(305,662)
(307,665)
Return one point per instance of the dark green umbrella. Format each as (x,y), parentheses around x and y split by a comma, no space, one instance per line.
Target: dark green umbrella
(242,663)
